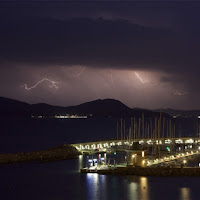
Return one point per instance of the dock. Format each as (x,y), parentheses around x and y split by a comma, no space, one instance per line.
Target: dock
(147,171)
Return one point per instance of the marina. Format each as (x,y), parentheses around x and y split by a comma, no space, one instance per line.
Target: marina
(139,147)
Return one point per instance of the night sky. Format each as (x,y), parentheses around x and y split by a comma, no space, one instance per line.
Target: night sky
(145,54)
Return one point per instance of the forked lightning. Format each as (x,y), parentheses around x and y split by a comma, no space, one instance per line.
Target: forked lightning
(53,84)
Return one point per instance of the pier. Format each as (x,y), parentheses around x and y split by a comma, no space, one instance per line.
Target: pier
(166,152)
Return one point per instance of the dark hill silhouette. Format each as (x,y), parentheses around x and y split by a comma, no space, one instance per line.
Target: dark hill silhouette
(106,107)
(97,108)
(180,113)
(10,107)
(138,112)
(46,110)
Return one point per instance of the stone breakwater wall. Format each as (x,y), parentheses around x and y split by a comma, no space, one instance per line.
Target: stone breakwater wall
(56,153)
(156,171)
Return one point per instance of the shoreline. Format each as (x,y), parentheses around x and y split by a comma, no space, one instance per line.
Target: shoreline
(147,171)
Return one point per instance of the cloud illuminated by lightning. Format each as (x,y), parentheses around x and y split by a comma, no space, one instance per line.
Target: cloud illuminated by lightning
(179,93)
(80,72)
(53,84)
(141,80)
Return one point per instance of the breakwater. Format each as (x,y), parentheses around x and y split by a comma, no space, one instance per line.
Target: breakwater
(61,152)
(147,171)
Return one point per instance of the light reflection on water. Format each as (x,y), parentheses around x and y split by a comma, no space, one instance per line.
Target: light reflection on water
(144,188)
(62,180)
(185,194)
(92,186)
(96,186)
(116,187)
(80,161)
(134,188)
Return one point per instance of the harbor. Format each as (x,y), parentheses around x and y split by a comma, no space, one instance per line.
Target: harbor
(143,151)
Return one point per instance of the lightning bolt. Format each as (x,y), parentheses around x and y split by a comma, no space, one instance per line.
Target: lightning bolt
(141,80)
(179,93)
(80,72)
(53,84)
(111,77)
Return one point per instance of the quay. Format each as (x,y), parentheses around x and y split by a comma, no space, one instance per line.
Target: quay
(148,171)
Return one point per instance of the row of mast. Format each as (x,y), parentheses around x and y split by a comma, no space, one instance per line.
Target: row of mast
(149,129)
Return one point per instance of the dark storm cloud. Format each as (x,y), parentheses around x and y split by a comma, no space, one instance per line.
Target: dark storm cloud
(93,42)
(152,37)
(43,34)
(83,41)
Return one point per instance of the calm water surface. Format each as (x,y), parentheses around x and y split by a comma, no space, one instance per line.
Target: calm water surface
(62,180)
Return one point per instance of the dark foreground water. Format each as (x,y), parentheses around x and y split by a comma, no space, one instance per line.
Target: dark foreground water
(38,134)
(62,181)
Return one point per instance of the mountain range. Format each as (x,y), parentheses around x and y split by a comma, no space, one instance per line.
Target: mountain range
(97,108)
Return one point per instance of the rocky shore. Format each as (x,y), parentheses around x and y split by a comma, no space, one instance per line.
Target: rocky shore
(56,153)
(156,171)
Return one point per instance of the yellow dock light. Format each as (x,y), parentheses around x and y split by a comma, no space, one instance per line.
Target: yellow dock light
(133,156)
(184,161)
(143,154)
